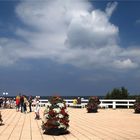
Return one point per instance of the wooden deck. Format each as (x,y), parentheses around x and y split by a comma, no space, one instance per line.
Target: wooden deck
(107,124)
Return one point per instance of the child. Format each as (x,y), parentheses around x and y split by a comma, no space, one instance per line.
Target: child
(37,108)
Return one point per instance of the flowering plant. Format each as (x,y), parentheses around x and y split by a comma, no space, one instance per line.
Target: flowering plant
(56,118)
(137,105)
(93,103)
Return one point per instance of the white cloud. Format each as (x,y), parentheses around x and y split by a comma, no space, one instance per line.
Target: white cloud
(8,48)
(110,8)
(91,30)
(125,64)
(67,32)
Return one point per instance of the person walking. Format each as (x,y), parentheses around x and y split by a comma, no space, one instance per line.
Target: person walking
(1,102)
(30,103)
(25,103)
(37,108)
(22,103)
(17,102)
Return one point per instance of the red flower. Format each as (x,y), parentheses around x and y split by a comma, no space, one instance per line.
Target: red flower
(52,113)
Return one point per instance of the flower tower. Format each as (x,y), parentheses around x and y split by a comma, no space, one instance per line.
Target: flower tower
(92,105)
(55,117)
(137,105)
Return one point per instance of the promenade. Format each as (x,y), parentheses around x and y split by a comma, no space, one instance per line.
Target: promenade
(107,124)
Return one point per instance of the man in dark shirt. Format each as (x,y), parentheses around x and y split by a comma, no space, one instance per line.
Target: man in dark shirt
(22,103)
(30,103)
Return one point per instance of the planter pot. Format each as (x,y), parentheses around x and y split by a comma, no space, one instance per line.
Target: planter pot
(137,111)
(92,110)
(55,131)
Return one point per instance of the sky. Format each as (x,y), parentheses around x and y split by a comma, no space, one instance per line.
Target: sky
(69,47)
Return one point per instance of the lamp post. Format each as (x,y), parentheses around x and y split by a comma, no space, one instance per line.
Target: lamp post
(5,94)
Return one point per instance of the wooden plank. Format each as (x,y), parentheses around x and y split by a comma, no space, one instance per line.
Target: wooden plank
(119,124)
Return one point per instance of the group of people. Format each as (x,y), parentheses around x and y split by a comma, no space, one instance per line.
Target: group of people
(6,102)
(22,102)
(77,101)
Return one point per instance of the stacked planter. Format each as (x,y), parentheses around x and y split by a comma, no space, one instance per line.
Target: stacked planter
(92,105)
(137,105)
(55,117)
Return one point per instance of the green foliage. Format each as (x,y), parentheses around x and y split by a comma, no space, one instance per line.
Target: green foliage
(117,93)
(138,99)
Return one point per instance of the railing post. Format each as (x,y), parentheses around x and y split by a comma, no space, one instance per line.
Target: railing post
(101,104)
(114,105)
(127,104)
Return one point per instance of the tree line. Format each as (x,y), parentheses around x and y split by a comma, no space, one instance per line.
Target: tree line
(120,93)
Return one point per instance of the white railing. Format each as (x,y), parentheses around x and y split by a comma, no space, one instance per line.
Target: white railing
(105,103)
(115,103)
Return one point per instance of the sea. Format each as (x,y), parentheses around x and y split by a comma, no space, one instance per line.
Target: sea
(71,97)
(64,97)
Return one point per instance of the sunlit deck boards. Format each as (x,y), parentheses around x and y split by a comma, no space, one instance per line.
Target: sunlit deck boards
(108,124)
